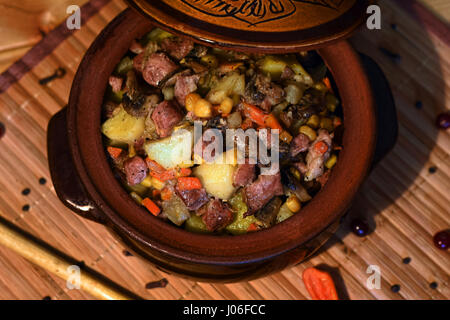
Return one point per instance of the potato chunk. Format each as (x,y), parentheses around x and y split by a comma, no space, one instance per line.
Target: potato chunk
(123,127)
(172,151)
(217,179)
(231,84)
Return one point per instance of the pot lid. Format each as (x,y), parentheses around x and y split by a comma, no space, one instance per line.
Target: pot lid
(259,25)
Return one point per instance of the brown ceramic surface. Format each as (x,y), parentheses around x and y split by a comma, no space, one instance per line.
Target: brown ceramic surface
(262,25)
(224,258)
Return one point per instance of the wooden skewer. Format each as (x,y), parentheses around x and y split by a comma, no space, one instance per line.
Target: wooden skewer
(50,261)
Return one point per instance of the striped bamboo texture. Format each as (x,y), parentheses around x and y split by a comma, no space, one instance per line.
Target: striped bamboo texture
(407,203)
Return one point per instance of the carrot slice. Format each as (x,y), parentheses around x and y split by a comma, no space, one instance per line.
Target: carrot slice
(319,284)
(189,183)
(154,166)
(151,206)
(272,122)
(114,152)
(255,114)
(184,172)
(253,227)
(321,147)
(327,82)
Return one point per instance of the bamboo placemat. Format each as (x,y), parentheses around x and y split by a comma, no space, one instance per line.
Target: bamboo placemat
(405,199)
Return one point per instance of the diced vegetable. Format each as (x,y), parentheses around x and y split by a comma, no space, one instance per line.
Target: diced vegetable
(331,161)
(294,92)
(139,189)
(114,152)
(286,137)
(151,206)
(147,182)
(157,183)
(331,101)
(166,194)
(320,147)
(253,227)
(156,35)
(125,65)
(234,120)
(210,60)
(327,124)
(203,108)
(272,66)
(319,284)
(284,213)
(272,122)
(313,121)
(136,198)
(169,93)
(123,127)
(189,183)
(240,224)
(226,106)
(196,224)
(217,179)
(172,151)
(267,215)
(310,133)
(191,101)
(255,114)
(232,83)
(176,210)
(293,204)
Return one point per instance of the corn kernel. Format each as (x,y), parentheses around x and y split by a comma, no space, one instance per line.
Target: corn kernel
(147,182)
(293,204)
(203,109)
(226,106)
(313,121)
(327,124)
(131,150)
(331,161)
(157,184)
(310,133)
(295,173)
(191,100)
(285,136)
(136,197)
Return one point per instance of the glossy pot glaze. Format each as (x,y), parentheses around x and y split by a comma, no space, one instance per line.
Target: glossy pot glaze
(84,180)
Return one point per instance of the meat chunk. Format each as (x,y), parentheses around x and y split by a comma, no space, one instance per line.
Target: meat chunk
(166,116)
(244,175)
(217,215)
(316,157)
(287,74)
(299,144)
(135,170)
(157,67)
(177,48)
(262,190)
(193,199)
(185,85)
(262,92)
(115,83)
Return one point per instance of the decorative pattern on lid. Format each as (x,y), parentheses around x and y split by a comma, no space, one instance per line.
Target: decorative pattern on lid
(272,24)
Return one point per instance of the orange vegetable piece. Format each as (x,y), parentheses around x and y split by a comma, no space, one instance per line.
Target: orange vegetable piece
(154,166)
(184,172)
(255,114)
(114,152)
(272,122)
(327,83)
(151,206)
(253,227)
(189,183)
(321,147)
(319,284)
(166,194)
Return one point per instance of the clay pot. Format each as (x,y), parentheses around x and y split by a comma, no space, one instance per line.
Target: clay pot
(85,183)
